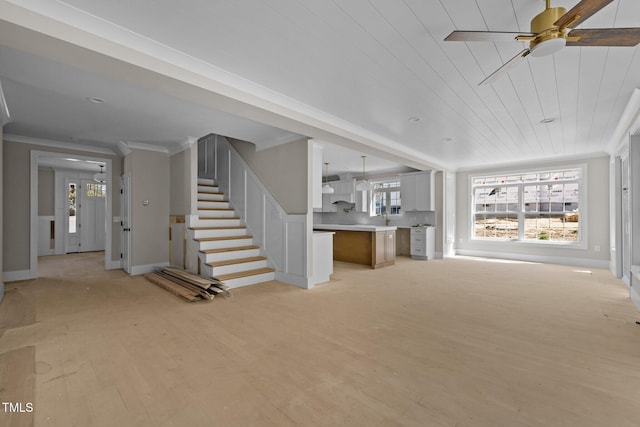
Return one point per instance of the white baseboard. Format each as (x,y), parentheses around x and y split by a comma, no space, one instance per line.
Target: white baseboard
(634,285)
(635,296)
(299,281)
(1,291)
(578,262)
(114,265)
(14,276)
(144,269)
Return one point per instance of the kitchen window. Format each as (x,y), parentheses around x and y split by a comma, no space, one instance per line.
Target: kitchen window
(544,206)
(385,198)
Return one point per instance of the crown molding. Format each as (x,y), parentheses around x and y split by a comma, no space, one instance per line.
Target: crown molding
(58,144)
(5,117)
(127,146)
(182,145)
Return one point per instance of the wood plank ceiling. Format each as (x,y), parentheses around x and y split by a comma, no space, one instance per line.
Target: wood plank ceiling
(377,63)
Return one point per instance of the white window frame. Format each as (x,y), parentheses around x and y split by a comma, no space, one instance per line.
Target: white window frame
(582,242)
(387,191)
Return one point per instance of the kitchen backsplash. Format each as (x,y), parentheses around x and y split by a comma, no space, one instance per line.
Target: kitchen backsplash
(351,217)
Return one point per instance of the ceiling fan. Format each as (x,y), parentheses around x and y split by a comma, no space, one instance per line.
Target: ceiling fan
(551,30)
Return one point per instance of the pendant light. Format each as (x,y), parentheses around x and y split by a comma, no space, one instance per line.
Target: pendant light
(326,188)
(363,185)
(100,177)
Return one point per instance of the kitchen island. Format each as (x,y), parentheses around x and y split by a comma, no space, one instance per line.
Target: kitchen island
(370,245)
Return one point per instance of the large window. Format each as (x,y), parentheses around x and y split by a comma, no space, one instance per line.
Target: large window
(540,206)
(385,198)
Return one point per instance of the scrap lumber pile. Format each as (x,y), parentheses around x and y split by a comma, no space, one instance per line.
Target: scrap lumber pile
(186,285)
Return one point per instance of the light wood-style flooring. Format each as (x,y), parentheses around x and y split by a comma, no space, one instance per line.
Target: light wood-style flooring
(456,342)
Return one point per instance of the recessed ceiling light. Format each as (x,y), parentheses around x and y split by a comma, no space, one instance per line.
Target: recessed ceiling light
(96,100)
(414,119)
(547,120)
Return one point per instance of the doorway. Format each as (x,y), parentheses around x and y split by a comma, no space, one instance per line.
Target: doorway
(82,207)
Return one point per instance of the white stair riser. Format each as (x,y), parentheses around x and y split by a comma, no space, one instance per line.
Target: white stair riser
(220,244)
(250,280)
(225,256)
(216,222)
(198,234)
(203,214)
(236,268)
(213,205)
(211,197)
(206,181)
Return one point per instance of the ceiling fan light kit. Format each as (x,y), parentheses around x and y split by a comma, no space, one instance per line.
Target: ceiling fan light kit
(549,34)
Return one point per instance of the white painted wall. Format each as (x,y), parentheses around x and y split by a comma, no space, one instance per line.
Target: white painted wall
(597,221)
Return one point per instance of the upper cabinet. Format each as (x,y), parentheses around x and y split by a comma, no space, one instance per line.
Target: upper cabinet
(417,191)
(343,191)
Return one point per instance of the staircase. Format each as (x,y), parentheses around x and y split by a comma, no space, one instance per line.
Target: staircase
(226,251)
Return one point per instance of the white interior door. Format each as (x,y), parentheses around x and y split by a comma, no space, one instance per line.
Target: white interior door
(125,222)
(626,221)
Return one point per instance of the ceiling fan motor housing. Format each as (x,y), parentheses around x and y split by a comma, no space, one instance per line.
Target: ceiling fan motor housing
(547,33)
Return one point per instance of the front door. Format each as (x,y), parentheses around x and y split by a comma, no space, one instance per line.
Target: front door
(91,219)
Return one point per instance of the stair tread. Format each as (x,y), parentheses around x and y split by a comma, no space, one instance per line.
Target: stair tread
(206,185)
(210,192)
(236,261)
(216,239)
(213,201)
(226,227)
(247,273)
(232,249)
(224,218)
(215,209)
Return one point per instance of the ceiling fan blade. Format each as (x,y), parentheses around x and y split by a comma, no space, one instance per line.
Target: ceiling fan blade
(506,67)
(484,36)
(580,13)
(605,37)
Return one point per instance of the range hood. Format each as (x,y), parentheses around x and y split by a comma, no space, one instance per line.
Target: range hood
(341,197)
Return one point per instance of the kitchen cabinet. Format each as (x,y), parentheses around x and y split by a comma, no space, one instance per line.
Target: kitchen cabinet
(362,201)
(423,242)
(417,191)
(344,191)
(385,248)
(322,256)
(370,245)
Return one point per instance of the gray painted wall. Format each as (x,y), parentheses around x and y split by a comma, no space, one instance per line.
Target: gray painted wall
(597,225)
(282,170)
(150,176)
(16,178)
(180,167)
(46,192)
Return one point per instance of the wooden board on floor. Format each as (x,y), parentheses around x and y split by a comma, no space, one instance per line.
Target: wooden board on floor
(174,288)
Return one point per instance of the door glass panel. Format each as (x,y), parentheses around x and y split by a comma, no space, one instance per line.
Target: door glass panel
(72,207)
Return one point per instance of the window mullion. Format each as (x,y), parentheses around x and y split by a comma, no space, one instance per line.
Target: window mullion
(521,219)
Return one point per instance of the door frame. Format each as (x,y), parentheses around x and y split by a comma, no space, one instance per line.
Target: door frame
(35,155)
(125,221)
